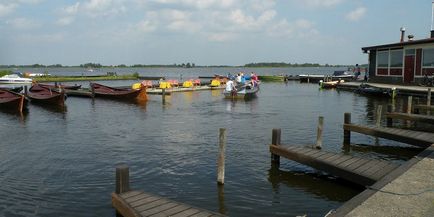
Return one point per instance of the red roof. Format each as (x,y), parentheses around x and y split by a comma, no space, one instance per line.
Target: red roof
(399,44)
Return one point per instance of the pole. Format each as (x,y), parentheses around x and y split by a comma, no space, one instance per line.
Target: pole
(409,101)
(163,93)
(428,102)
(275,140)
(319,132)
(221,158)
(378,117)
(347,133)
(388,119)
(122,178)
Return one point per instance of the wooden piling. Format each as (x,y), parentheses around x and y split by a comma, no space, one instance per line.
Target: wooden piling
(25,90)
(428,101)
(163,94)
(389,121)
(378,116)
(221,158)
(122,178)
(409,101)
(275,140)
(347,133)
(319,132)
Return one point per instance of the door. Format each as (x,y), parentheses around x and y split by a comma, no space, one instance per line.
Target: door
(409,69)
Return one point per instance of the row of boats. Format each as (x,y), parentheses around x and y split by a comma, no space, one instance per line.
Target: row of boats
(54,95)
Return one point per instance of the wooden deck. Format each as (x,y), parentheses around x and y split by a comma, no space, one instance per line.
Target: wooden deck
(140,204)
(355,169)
(416,138)
(411,117)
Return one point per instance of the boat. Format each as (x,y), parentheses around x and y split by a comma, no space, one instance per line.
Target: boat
(44,95)
(13,88)
(67,87)
(343,75)
(243,92)
(100,90)
(366,89)
(14,79)
(330,84)
(12,101)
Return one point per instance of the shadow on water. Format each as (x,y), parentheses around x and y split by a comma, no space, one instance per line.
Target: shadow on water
(53,108)
(22,116)
(392,152)
(324,186)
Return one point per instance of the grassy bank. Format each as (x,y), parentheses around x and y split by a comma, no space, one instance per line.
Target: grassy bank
(4,72)
(85,78)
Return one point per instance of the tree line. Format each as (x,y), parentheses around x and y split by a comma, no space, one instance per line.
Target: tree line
(283,64)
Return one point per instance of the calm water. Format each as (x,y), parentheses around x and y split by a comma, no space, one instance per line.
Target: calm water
(62,163)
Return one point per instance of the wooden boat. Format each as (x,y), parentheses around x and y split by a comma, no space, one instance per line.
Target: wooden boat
(330,84)
(48,96)
(100,90)
(244,92)
(12,101)
(66,87)
(367,89)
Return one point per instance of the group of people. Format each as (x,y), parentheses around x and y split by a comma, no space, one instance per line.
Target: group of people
(241,80)
(357,72)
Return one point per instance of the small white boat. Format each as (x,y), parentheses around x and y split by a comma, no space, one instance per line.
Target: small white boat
(244,92)
(14,79)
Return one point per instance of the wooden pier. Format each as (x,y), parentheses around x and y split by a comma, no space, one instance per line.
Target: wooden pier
(358,170)
(411,117)
(130,203)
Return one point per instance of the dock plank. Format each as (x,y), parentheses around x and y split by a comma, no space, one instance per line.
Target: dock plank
(351,168)
(411,117)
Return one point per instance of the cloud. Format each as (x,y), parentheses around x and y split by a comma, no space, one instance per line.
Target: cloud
(321,3)
(64,21)
(104,7)
(356,14)
(24,23)
(6,9)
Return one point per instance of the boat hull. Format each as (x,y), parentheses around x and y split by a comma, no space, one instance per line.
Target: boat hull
(118,93)
(42,95)
(12,101)
(244,93)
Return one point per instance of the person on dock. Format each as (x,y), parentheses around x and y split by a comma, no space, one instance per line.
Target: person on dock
(356,72)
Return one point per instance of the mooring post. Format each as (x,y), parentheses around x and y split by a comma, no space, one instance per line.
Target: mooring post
(319,132)
(221,158)
(428,102)
(25,90)
(347,133)
(378,117)
(388,119)
(275,140)
(163,94)
(122,178)
(409,101)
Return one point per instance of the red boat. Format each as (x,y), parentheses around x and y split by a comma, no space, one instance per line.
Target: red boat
(40,94)
(11,100)
(100,90)
(67,87)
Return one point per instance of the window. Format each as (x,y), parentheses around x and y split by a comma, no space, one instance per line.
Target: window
(428,57)
(396,58)
(410,52)
(383,59)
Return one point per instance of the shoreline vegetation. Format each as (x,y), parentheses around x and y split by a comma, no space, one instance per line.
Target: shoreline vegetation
(133,76)
(182,65)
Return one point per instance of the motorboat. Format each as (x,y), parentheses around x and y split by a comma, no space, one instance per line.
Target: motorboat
(342,75)
(243,92)
(14,79)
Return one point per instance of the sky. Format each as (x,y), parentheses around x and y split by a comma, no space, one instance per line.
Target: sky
(204,32)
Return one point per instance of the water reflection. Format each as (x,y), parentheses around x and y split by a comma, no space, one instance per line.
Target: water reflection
(21,116)
(323,186)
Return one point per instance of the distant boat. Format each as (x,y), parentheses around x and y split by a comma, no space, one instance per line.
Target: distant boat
(12,101)
(47,96)
(343,75)
(14,79)
(244,92)
(116,93)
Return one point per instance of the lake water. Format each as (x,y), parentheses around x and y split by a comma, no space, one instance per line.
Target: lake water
(62,163)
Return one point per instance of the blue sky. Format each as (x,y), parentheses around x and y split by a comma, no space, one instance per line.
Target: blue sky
(204,32)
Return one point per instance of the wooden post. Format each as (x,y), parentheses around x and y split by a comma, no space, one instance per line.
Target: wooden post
(275,140)
(319,132)
(92,90)
(122,178)
(378,117)
(410,99)
(347,133)
(25,90)
(388,119)
(221,158)
(428,101)
(163,94)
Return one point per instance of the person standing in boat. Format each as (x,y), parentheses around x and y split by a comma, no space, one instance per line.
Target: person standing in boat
(230,87)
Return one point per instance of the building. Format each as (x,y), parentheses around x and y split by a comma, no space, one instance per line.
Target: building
(406,62)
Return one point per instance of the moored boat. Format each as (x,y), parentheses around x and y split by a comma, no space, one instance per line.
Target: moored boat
(370,90)
(47,96)
(330,84)
(100,90)
(66,87)
(342,75)
(12,101)
(14,79)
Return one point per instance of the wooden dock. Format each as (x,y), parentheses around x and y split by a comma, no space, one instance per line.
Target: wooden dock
(411,117)
(130,203)
(354,169)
